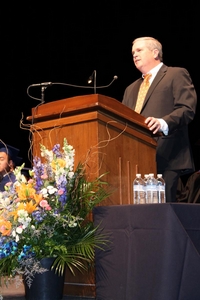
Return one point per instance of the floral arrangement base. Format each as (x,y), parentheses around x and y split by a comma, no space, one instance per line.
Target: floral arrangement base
(45,286)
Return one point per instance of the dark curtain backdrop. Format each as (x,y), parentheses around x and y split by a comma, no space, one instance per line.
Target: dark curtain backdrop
(64,42)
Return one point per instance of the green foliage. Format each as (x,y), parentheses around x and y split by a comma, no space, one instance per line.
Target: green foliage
(50,215)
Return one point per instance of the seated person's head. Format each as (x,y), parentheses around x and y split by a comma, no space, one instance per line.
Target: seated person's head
(6,163)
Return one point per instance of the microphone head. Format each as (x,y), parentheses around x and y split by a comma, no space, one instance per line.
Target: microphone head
(115,77)
(90,79)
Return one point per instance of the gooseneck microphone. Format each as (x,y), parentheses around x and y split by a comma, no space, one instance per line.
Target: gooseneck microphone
(105,86)
(44,85)
(92,78)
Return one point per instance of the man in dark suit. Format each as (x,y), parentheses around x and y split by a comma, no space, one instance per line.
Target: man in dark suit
(169,106)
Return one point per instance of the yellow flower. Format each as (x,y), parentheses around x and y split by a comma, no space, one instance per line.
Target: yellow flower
(28,206)
(25,191)
(59,163)
(38,198)
(5,227)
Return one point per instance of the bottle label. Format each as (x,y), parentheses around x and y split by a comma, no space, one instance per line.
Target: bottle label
(161,188)
(152,196)
(139,195)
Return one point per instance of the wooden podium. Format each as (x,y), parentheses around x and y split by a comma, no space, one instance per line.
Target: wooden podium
(110,137)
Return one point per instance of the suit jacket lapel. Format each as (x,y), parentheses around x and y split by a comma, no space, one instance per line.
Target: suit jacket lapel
(157,79)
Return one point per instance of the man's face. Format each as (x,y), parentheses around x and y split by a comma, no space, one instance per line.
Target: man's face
(3,162)
(144,59)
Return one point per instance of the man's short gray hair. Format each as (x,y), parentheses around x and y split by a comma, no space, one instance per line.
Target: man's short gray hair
(151,44)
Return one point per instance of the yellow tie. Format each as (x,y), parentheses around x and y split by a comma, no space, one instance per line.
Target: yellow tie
(142,92)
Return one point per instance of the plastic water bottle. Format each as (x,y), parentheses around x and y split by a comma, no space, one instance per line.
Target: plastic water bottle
(138,190)
(152,196)
(146,176)
(161,189)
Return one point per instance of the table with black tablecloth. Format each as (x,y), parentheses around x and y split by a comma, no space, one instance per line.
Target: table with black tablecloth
(153,252)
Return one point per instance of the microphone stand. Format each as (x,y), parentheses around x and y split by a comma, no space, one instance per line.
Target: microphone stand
(43,88)
(95,81)
(93,78)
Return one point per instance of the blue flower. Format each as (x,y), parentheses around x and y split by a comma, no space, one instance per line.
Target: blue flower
(8,249)
(56,150)
(26,252)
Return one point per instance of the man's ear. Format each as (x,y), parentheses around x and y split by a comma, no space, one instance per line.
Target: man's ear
(155,53)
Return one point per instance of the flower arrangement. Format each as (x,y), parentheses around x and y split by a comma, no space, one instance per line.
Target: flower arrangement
(47,216)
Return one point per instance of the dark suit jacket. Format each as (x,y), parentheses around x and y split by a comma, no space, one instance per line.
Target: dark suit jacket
(10,177)
(191,191)
(173,98)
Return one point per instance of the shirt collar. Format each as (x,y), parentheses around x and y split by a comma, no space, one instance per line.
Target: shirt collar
(154,71)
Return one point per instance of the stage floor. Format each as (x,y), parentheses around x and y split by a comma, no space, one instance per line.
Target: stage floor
(13,293)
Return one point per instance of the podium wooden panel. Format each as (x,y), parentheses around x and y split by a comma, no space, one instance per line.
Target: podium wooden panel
(110,137)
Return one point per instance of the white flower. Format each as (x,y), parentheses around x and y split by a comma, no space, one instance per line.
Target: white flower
(19,230)
(4,202)
(21,177)
(48,154)
(71,174)
(44,192)
(22,214)
(72,224)
(23,218)
(17,238)
(51,190)
(15,235)
(26,222)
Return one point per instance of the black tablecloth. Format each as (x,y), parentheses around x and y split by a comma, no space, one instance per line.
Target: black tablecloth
(153,253)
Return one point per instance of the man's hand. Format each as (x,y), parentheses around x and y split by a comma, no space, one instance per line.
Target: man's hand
(153,124)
